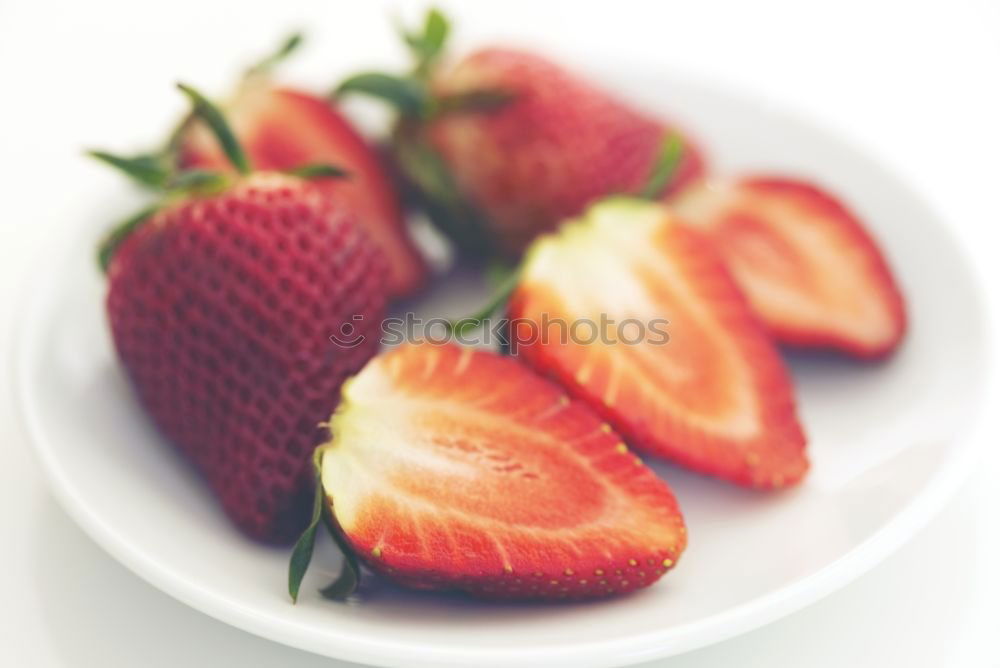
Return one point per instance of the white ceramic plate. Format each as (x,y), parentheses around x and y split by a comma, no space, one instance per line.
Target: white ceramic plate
(889,442)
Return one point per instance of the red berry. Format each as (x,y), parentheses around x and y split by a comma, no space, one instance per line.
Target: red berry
(713,396)
(811,271)
(282,129)
(221,309)
(451,468)
(559,144)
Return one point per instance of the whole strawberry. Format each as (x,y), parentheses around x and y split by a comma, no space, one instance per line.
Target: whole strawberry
(222,305)
(282,128)
(510,144)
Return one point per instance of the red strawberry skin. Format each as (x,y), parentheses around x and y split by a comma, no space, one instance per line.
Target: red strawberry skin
(714,398)
(812,273)
(451,468)
(221,309)
(283,129)
(557,146)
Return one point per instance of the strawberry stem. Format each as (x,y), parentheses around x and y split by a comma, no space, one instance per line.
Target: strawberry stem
(664,168)
(350,574)
(213,118)
(469,323)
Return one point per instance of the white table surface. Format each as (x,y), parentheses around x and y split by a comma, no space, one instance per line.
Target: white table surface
(917,83)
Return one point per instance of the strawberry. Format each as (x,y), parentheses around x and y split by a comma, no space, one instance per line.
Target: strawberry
(283,128)
(671,354)
(452,468)
(221,304)
(515,143)
(811,271)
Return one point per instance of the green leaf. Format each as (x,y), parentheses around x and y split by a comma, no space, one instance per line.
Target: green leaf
(427,45)
(319,170)
(498,272)
(197,181)
(406,94)
(426,169)
(472,101)
(147,169)
(438,193)
(664,168)
(212,117)
(291,43)
(350,574)
(501,295)
(436,29)
(114,239)
(302,553)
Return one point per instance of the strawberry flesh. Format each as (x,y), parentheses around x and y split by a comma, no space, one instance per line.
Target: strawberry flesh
(812,273)
(221,309)
(713,397)
(451,468)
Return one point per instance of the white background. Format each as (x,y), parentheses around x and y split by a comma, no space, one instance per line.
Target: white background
(917,83)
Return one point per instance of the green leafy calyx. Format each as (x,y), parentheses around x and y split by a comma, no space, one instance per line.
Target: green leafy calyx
(427,44)
(665,167)
(285,49)
(350,574)
(319,170)
(410,93)
(213,118)
(500,297)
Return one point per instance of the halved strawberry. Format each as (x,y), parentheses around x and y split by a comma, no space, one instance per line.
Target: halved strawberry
(714,397)
(812,273)
(451,468)
(282,128)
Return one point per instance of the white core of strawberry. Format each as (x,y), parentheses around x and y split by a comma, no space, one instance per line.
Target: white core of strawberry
(433,463)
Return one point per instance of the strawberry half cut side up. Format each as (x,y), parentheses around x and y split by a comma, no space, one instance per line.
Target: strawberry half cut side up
(671,354)
(811,271)
(504,145)
(222,298)
(450,468)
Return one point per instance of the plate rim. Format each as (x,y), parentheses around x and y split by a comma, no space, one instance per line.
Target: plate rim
(970,442)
